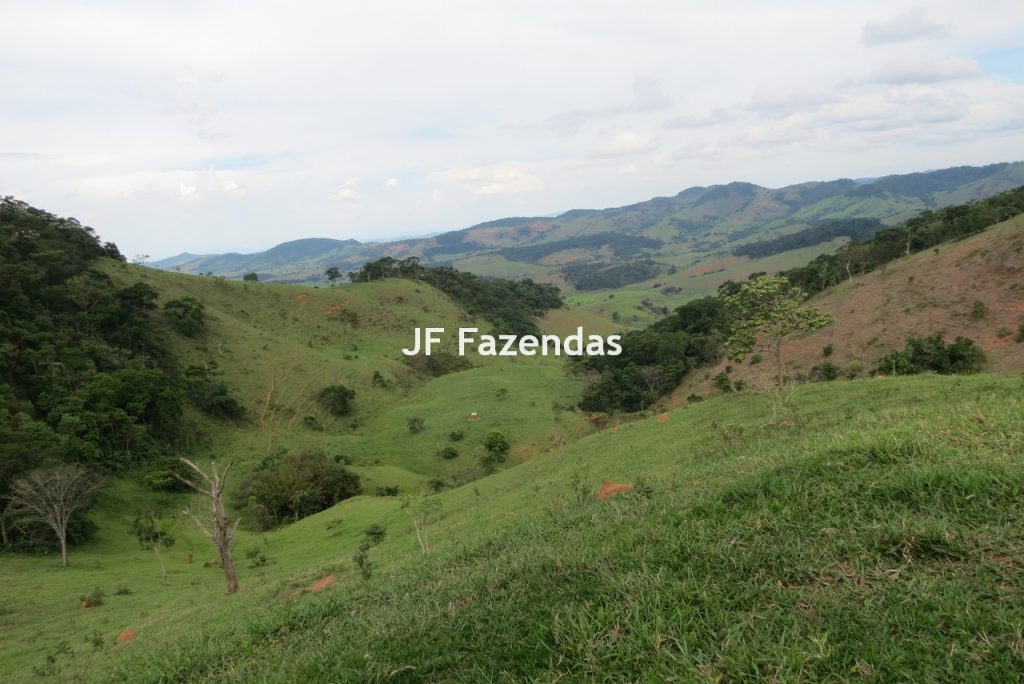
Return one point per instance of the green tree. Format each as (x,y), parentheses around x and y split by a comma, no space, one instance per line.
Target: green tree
(332,273)
(497,446)
(186,315)
(251,277)
(769,307)
(337,399)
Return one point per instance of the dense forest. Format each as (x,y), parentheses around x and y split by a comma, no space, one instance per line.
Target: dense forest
(85,377)
(858,230)
(622,245)
(602,275)
(510,305)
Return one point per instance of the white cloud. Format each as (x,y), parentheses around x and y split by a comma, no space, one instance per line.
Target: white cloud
(913,23)
(621,143)
(220,130)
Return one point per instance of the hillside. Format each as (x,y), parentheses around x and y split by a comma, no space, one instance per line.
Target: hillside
(934,291)
(894,532)
(679,232)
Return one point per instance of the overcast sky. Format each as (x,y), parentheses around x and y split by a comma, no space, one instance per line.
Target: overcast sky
(205,126)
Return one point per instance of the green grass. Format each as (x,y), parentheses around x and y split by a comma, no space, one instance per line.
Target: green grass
(878,537)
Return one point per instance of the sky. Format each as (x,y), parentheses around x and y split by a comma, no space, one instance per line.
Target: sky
(209,126)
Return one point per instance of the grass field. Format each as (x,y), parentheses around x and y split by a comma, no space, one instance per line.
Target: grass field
(859,530)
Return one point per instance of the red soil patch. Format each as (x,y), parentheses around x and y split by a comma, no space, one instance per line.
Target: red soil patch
(86,604)
(126,636)
(663,418)
(301,297)
(322,583)
(610,489)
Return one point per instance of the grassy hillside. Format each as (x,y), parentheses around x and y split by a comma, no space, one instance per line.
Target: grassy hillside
(277,345)
(886,545)
(934,291)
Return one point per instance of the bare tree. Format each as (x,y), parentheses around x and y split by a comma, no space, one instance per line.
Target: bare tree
(221,532)
(52,495)
(421,511)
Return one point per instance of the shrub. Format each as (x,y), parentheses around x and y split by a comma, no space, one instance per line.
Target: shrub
(1020,333)
(826,371)
(298,485)
(186,315)
(94,599)
(978,311)
(415,424)
(931,354)
(337,399)
(722,382)
(456,435)
(827,351)
(388,490)
(375,534)
(497,446)
(448,453)
(756,359)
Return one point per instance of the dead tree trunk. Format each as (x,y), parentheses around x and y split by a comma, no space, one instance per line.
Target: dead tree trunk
(222,531)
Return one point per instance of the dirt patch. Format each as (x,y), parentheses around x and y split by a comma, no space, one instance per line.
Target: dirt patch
(322,583)
(663,418)
(610,489)
(126,636)
(301,297)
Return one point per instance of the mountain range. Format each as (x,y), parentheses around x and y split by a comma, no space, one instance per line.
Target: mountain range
(677,231)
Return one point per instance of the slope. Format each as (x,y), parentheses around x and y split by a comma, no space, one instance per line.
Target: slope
(887,545)
(970,288)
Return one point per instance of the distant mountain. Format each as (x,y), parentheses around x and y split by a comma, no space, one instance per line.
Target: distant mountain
(676,231)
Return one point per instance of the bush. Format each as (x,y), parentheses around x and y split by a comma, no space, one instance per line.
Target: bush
(756,359)
(827,351)
(826,371)
(94,599)
(375,534)
(388,490)
(978,311)
(457,435)
(931,354)
(186,315)
(722,382)
(448,453)
(337,399)
(1020,333)
(298,485)
(497,446)
(415,425)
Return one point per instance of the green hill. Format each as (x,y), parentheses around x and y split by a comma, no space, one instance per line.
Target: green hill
(886,545)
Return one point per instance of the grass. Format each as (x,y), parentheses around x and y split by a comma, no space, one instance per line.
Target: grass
(878,537)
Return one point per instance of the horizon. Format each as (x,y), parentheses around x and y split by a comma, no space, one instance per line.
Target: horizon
(174,128)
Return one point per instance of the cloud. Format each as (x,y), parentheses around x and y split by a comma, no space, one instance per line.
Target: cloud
(621,143)
(392,183)
(492,179)
(910,25)
(919,70)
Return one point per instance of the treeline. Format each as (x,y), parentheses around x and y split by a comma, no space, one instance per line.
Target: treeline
(925,231)
(510,305)
(603,275)
(622,245)
(655,360)
(84,376)
(857,229)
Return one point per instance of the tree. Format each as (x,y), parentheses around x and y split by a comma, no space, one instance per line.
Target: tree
(421,511)
(251,277)
(497,446)
(332,273)
(186,315)
(222,531)
(769,307)
(52,495)
(337,399)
